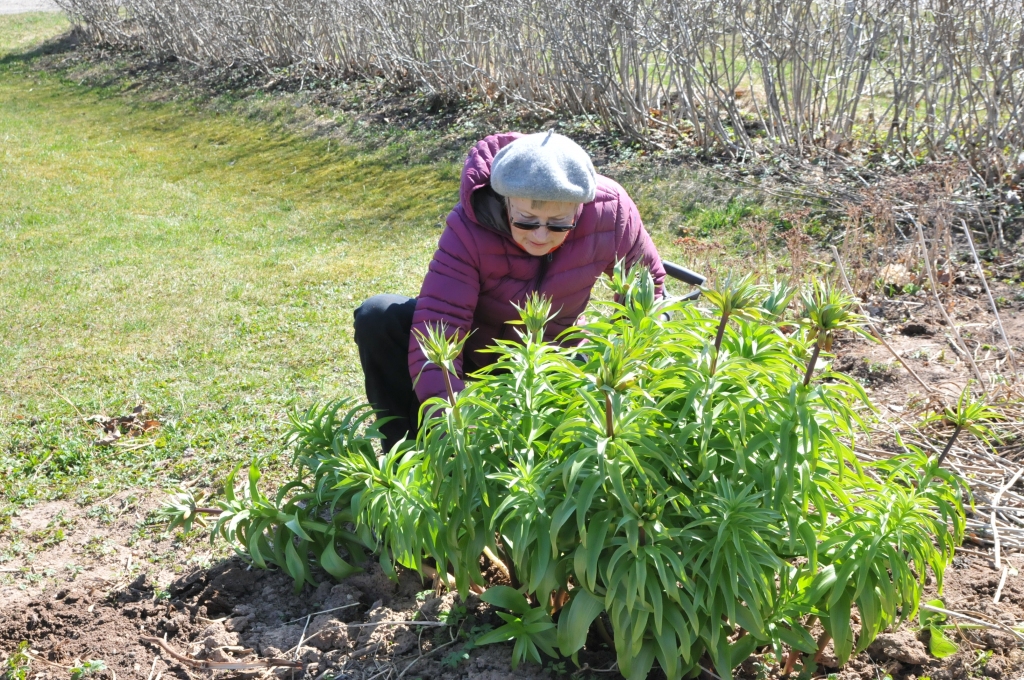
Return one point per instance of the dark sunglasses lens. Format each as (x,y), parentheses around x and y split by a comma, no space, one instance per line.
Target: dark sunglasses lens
(558,229)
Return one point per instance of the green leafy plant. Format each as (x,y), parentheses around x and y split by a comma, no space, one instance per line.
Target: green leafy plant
(969,414)
(531,627)
(18,664)
(308,516)
(183,509)
(827,310)
(681,477)
(87,668)
(774,305)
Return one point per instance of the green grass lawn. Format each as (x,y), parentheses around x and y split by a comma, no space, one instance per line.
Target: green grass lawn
(203,263)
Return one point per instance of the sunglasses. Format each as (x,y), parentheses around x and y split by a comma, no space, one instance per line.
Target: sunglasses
(556,228)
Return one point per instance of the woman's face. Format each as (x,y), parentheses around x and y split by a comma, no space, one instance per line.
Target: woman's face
(542,240)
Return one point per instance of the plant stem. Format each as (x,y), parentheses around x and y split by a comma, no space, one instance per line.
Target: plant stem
(603,632)
(718,340)
(609,426)
(509,564)
(791,659)
(823,641)
(794,654)
(451,395)
(810,364)
(721,330)
(949,444)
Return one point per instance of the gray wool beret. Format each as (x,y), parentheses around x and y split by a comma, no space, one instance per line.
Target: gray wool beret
(545,166)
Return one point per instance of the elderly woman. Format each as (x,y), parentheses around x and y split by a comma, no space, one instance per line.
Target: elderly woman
(533,215)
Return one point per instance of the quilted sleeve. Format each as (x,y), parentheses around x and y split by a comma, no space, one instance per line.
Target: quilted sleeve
(634,244)
(448,296)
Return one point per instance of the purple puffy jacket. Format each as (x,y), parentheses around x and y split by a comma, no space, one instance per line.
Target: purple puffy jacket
(479,272)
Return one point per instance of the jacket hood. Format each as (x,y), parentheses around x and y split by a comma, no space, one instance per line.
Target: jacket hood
(476,173)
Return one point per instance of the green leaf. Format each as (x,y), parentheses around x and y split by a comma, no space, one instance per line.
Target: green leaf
(296,526)
(509,598)
(939,645)
(295,565)
(839,625)
(575,620)
(506,632)
(929,618)
(333,564)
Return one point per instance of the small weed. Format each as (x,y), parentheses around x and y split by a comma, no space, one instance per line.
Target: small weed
(558,668)
(455,615)
(53,533)
(84,670)
(97,547)
(102,513)
(453,659)
(878,368)
(764,665)
(18,664)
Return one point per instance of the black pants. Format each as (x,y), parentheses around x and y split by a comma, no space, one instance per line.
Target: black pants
(383,326)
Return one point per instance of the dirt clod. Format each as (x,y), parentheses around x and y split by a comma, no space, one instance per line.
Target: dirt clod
(900,646)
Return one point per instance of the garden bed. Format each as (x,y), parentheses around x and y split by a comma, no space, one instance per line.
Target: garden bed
(137,581)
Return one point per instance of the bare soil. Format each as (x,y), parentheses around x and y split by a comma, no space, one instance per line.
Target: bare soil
(230,611)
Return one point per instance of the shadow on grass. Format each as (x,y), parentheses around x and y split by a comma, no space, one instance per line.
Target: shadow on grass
(260,146)
(68,42)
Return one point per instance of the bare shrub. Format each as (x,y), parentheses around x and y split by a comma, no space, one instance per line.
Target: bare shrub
(914,79)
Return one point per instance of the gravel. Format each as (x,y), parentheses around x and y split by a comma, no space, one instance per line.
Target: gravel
(18,6)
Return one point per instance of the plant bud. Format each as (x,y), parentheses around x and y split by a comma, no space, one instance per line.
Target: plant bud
(640,523)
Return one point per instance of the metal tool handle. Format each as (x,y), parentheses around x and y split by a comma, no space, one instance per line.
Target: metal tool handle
(683,274)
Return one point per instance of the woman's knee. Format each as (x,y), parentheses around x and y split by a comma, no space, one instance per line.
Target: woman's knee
(383,316)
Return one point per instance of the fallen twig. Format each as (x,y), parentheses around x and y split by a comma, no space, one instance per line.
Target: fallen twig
(498,563)
(435,624)
(966,617)
(423,656)
(219,665)
(322,611)
(298,647)
(991,301)
(30,654)
(942,309)
(995,502)
(1002,582)
(871,324)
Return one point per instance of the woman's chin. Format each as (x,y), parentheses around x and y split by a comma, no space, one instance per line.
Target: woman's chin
(535,250)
